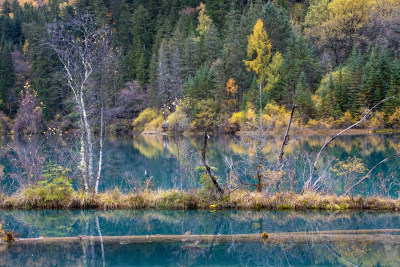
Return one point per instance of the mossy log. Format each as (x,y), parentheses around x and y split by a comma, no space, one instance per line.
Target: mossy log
(372,236)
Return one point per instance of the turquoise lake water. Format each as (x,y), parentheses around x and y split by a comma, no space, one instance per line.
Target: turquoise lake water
(149,222)
(171,162)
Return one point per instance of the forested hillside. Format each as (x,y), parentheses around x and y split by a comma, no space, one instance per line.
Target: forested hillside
(200,64)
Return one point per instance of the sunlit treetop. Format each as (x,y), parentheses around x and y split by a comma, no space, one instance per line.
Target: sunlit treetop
(259,51)
(205,21)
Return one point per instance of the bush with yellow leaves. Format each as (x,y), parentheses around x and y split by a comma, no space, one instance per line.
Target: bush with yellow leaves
(236,121)
(377,121)
(394,119)
(178,121)
(276,117)
(154,126)
(145,117)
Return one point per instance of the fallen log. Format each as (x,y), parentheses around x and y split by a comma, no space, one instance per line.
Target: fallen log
(372,236)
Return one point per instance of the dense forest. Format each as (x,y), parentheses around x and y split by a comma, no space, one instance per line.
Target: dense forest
(201,64)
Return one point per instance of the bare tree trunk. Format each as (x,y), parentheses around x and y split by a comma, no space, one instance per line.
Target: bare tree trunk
(208,169)
(308,184)
(80,45)
(259,147)
(82,164)
(96,189)
(89,143)
(285,141)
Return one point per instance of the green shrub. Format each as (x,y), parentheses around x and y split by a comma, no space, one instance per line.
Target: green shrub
(208,188)
(54,190)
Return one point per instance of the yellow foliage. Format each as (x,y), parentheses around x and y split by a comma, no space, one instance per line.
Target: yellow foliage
(345,121)
(251,116)
(237,118)
(350,166)
(260,45)
(150,146)
(154,126)
(317,13)
(205,21)
(231,87)
(349,15)
(328,123)
(377,120)
(178,121)
(394,119)
(144,117)
(276,116)
(231,91)
(337,19)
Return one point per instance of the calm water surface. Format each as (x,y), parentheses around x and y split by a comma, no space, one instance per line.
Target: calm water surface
(171,162)
(119,223)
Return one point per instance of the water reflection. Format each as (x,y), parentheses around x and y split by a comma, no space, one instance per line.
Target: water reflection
(172,162)
(314,251)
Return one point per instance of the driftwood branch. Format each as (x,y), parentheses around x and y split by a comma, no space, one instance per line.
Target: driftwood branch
(208,169)
(308,185)
(367,175)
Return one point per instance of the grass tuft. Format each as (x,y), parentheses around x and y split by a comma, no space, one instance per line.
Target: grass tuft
(195,199)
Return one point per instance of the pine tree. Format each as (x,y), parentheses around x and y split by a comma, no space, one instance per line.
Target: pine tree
(7,78)
(354,76)
(211,45)
(277,25)
(394,89)
(188,54)
(304,99)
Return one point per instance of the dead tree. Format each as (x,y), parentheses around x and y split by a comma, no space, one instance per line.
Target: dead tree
(309,185)
(205,164)
(285,141)
(79,44)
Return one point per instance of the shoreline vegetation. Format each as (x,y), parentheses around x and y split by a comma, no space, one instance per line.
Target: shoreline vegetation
(197,199)
(233,73)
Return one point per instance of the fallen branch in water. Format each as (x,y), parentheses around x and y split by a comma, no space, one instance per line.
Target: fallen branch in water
(373,236)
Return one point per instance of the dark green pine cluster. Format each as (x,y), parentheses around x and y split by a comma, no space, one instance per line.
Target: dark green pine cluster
(189,49)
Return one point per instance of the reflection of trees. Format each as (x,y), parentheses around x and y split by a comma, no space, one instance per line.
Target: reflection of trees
(131,158)
(149,146)
(170,254)
(74,223)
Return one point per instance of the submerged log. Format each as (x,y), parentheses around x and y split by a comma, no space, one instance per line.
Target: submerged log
(372,236)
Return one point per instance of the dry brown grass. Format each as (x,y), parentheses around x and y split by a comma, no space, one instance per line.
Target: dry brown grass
(174,199)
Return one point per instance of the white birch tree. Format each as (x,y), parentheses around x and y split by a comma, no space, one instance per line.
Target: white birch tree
(82,48)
